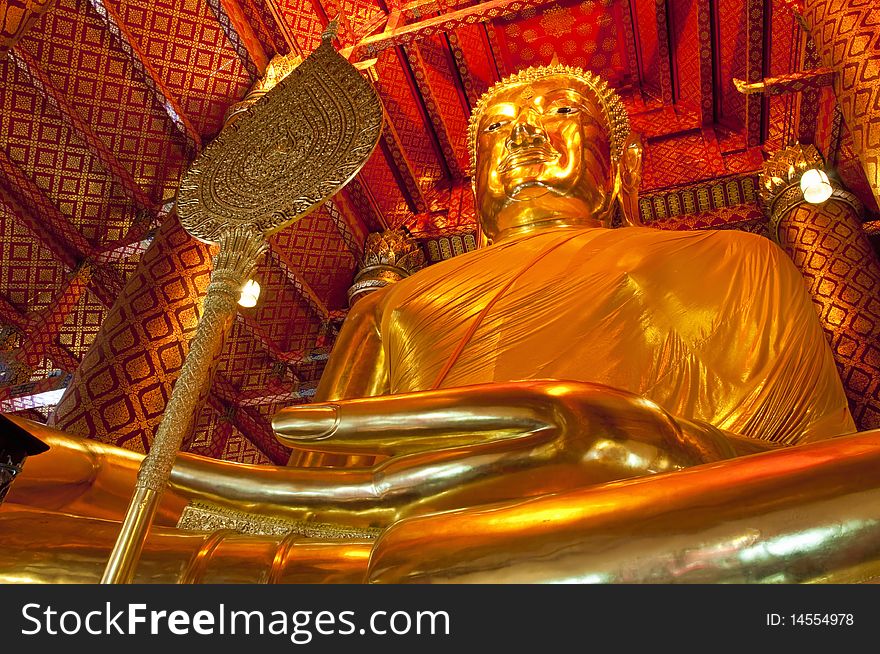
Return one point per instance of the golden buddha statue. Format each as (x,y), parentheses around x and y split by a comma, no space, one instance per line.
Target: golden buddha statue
(503,390)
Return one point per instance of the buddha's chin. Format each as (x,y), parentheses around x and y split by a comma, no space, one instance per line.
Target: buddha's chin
(521,190)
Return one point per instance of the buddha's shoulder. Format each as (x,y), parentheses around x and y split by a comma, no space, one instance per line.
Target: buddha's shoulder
(729,243)
(729,237)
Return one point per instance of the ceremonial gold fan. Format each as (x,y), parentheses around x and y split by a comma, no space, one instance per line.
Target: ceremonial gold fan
(290,151)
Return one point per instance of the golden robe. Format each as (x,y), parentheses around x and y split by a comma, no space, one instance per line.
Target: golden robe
(711,325)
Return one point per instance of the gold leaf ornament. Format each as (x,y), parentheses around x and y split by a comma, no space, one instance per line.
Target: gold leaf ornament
(290,151)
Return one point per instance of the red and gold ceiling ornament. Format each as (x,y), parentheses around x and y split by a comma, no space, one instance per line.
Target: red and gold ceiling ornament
(16,18)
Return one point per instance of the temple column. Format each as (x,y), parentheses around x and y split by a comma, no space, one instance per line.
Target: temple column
(120,390)
(841,270)
(847,36)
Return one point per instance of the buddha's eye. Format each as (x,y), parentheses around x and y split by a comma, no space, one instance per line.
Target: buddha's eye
(494,126)
(565,110)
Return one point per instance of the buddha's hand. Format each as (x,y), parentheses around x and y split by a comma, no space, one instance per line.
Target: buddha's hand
(586,420)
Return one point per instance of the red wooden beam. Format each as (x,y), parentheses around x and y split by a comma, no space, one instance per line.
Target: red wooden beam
(45,326)
(632,54)
(435,113)
(265,396)
(755,69)
(51,227)
(400,164)
(26,63)
(271,28)
(661,13)
(123,249)
(279,258)
(370,46)
(362,198)
(20,397)
(10,315)
(240,35)
(349,226)
(25,325)
(707,82)
(501,68)
(143,70)
(247,420)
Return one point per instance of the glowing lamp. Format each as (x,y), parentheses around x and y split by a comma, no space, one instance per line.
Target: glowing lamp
(250,293)
(815,186)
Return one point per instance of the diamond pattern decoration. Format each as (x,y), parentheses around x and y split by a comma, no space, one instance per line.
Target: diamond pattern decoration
(239,449)
(198,64)
(121,112)
(680,160)
(405,113)
(82,324)
(588,34)
(842,272)
(317,251)
(378,179)
(29,274)
(120,390)
(71,177)
(303,22)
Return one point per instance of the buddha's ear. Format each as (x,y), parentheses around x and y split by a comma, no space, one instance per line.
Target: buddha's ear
(630,179)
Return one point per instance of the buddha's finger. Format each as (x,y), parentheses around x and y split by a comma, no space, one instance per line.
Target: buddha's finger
(447,418)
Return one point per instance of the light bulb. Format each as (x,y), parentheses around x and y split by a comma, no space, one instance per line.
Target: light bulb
(250,293)
(815,186)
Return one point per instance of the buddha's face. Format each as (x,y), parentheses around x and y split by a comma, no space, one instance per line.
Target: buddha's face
(543,154)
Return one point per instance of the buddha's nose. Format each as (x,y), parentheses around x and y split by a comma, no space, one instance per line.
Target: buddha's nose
(525,134)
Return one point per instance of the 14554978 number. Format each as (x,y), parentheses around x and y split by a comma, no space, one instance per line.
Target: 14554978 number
(810,620)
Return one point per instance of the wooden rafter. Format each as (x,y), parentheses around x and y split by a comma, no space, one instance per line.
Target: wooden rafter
(632,51)
(280,259)
(362,198)
(664,51)
(706,56)
(251,424)
(26,63)
(240,35)
(272,28)
(141,67)
(300,393)
(51,227)
(39,345)
(401,166)
(123,249)
(755,69)
(370,46)
(349,226)
(434,111)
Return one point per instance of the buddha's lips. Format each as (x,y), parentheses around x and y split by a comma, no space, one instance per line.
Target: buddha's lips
(527,157)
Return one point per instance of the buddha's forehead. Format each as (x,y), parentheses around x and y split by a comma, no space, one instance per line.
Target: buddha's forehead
(542,92)
(534,91)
